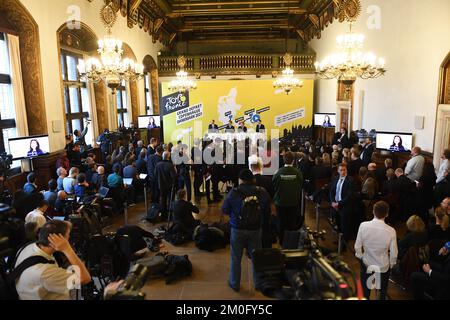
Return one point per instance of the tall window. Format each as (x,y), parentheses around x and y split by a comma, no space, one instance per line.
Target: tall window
(76,94)
(148,95)
(122,105)
(7,110)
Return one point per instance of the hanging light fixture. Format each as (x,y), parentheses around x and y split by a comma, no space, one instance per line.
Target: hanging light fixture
(351,62)
(288,82)
(182,83)
(110,68)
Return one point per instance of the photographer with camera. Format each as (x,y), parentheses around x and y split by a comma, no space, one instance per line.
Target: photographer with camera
(246,205)
(104,140)
(80,137)
(46,280)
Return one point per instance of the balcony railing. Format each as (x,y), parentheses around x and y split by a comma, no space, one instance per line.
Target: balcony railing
(238,64)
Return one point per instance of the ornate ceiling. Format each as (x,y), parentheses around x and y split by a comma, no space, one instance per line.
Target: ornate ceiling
(170,21)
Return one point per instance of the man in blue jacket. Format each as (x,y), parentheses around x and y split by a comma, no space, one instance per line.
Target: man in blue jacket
(245,235)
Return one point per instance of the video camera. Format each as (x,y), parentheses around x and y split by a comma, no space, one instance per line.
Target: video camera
(309,274)
(6,161)
(130,289)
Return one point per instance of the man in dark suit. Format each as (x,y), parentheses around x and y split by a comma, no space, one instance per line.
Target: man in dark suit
(152,161)
(435,279)
(355,164)
(152,147)
(367,151)
(256,166)
(213,127)
(230,128)
(166,175)
(242,127)
(260,128)
(407,191)
(341,199)
(341,138)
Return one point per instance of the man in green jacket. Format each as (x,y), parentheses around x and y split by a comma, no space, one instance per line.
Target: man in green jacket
(287,183)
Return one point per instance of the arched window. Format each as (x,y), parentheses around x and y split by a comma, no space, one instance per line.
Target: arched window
(77,45)
(7,111)
(123,118)
(151,85)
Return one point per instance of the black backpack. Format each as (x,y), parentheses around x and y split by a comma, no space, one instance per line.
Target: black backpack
(250,217)
(8,280)
(154,213)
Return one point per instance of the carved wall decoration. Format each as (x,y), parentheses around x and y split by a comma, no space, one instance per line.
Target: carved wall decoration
(444,94)
(18,17)
(124,7)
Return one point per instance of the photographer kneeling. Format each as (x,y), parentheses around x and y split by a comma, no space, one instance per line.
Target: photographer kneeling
(47,281)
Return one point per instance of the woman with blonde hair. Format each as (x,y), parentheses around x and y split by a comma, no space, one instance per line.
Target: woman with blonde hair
(417,236)
(346,153)
(439,230)
(326,160)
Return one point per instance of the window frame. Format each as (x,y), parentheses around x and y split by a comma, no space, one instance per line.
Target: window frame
(120,109)
(148,90)
(5,123)
(69,84)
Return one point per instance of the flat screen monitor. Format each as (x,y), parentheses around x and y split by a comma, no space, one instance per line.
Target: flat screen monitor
(394,141)
(326,120)
(29,147)
(149,122)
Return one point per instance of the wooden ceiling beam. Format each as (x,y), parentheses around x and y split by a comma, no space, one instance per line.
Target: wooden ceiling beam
(210,11)
(243,26)
(234,3)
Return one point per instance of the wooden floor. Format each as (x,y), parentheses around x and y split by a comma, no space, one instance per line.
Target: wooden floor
(210,270)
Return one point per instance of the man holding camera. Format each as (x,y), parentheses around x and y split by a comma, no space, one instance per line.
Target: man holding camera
(80,137)
(48,281)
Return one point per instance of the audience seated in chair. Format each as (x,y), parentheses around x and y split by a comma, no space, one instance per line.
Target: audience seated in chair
(70,181)
(30,187)
(434,281)
(51,195)
(417,236)
(37,216)
(62,174)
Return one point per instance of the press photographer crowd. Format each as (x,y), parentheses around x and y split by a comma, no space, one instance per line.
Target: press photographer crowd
(53,245)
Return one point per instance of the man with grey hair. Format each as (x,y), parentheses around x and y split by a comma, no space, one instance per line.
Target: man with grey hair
(61,173)
(139,148)
(414,167)
(99,178)
(166,176)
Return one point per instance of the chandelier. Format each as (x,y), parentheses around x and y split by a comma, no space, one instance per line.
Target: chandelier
(351,62)
(182,83)
(288,82)
(110,68)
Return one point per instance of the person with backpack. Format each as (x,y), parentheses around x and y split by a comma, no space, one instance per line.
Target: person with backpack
(247,206)
(38,276)
(287,183)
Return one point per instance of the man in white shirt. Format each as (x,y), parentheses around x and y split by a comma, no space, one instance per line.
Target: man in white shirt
(37,216)
(445,165)
(414,167)
(47,281)
(376,247)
